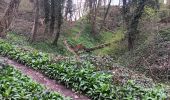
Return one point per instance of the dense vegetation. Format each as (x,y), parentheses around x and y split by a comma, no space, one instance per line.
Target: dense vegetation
(16,86)
(81,76)
(102,49)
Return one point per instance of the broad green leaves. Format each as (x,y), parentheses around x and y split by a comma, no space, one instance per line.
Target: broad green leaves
(15,86)
(81,77)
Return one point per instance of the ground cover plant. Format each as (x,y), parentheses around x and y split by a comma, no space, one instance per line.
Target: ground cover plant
(82,77)
(89,49)
(16,86)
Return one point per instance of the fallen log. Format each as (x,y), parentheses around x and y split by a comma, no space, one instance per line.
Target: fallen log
(71,50)
(97,47)
(76,50)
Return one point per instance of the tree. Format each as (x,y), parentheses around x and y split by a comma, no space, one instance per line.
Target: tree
(133,26)
(93,6)
(105,16)
(133,17)
(8,17)
(69,9)
(53,16)
(47,15)
(36,25)
(59,10)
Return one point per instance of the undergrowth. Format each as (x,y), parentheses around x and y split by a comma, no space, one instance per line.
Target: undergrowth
(16,86)
(151,57)
(78,34)
(116,39)
(82,77)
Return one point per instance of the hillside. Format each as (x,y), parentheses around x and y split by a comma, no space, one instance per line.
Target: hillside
(57,51)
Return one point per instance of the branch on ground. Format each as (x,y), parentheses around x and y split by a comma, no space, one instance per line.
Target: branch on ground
(80,48)
(71,49)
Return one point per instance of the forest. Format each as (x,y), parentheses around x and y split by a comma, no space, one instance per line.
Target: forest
(84,49)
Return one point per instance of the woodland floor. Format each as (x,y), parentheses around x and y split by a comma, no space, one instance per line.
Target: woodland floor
(120,74)
(23,24)
(43,80)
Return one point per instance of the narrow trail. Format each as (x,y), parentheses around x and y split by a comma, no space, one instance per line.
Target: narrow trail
(43,80)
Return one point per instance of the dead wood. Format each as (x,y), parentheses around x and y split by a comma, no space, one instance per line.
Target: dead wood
(71,50)
(97,47)
(81,48)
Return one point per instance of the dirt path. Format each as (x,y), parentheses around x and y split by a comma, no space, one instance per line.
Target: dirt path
(49,83)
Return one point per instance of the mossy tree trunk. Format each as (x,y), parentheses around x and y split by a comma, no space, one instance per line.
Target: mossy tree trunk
(131,20)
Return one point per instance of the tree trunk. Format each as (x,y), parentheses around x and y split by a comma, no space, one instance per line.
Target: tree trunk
(131,39)
(105,16)
(47,16)
(126,13)
(59,21)
(95,7)
(36,23)
(133,26)
(8,17)
(53,17)
(57,35)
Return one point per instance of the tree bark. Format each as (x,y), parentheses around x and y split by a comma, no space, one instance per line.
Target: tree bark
(59,20)
(126,13)
(36,23)
(47,16)
(133,26)
(53,17)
